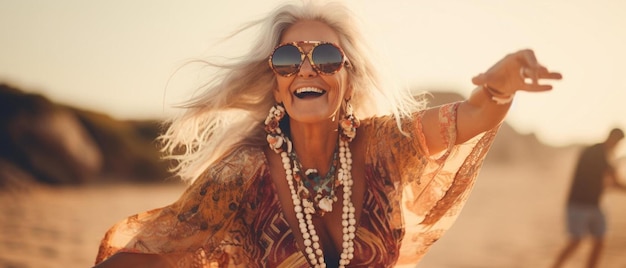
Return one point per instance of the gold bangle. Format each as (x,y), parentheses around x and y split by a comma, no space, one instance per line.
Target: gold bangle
(497,96)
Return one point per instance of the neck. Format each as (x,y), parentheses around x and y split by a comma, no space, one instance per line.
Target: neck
(315,144)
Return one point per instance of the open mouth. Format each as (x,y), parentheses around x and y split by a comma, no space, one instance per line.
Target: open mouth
(309,92)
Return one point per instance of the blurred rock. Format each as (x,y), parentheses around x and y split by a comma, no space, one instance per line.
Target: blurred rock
(128,147)
(46,139)
(59,144)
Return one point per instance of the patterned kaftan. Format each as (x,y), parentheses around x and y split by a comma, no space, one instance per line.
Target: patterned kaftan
(231,216)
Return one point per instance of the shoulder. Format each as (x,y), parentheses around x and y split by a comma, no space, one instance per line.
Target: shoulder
(388,138)
(388,123)
(226,181)
(395,128)
(238,164)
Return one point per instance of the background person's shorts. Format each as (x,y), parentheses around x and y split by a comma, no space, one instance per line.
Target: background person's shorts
(585,219)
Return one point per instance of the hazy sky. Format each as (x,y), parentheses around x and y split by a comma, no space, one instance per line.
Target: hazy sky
(116,56)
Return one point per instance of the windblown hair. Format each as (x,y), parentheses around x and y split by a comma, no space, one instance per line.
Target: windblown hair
(232,107)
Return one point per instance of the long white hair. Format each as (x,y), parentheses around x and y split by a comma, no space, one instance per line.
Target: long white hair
(232,106)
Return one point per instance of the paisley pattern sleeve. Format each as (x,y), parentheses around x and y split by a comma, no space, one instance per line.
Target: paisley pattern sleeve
(203,227)
(429,190)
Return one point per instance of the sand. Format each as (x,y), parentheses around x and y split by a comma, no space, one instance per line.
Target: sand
(62,226)
(514,218)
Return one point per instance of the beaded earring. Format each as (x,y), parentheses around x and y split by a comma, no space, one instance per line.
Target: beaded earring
(275,137)
(349,123)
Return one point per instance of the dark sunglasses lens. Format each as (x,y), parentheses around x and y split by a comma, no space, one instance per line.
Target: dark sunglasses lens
(286,60)
(327,58)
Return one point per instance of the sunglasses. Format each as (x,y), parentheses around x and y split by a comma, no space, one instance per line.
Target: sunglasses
(325,58)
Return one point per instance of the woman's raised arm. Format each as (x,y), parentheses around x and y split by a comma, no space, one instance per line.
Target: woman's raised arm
(489,102)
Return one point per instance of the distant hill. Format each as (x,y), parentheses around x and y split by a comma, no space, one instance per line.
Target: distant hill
(58,144)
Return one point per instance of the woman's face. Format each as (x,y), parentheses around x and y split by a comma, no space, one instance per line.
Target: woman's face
(310,97)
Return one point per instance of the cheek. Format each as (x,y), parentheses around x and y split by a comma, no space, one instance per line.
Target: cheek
(283,82)
(282,86)
(339,82)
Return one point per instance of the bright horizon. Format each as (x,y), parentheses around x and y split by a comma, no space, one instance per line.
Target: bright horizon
(117,56)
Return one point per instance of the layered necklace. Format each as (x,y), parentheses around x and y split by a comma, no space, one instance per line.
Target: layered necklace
(323,195)
(305,203)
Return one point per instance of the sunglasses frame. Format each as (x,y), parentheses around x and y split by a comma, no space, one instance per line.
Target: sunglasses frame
(308,55)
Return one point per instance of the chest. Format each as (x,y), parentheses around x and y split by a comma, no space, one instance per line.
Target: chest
(376,240)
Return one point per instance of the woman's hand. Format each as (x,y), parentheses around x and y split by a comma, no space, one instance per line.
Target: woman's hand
(516,71)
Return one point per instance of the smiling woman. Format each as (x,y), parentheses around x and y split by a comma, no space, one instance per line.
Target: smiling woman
(355,175)
(330,82)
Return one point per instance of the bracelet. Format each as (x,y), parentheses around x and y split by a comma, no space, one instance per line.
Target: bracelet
(497,96)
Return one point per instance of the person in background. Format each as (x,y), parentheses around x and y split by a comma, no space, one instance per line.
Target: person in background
(593,174)
(299,156)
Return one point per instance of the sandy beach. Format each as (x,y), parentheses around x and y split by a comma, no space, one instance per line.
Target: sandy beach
(514,218)
(62,226)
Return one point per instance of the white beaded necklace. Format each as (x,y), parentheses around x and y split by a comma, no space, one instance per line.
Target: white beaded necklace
(312,187)
(303,207)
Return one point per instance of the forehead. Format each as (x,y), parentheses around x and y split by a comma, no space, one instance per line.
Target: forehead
(309,30)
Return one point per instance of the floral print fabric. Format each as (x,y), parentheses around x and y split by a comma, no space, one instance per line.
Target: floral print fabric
(231,216)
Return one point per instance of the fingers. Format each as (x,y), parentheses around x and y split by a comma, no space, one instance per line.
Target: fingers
(479,80)
(531,71)
(517,71)
(536,87)
(527,59)
(532,76)
(552,75)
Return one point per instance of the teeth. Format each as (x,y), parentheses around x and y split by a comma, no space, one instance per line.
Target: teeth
(309,90)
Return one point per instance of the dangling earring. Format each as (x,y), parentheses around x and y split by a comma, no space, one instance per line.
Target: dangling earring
(349,123)
(275,137)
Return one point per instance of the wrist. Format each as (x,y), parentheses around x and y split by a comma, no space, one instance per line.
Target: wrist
(497,96)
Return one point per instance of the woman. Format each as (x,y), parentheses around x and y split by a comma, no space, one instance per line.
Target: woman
(329,190)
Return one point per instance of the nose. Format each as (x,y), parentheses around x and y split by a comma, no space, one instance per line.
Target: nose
(306,70)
